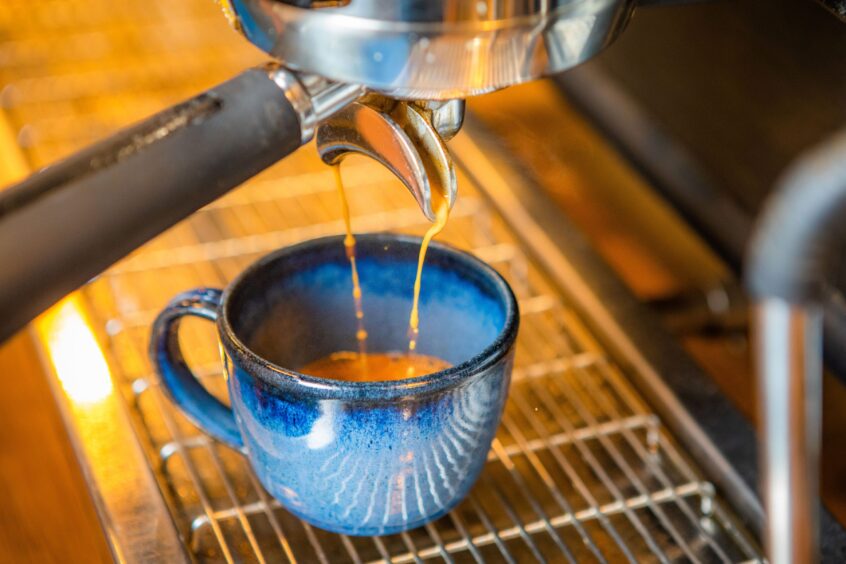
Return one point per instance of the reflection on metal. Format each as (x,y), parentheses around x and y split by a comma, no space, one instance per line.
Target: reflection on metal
(313,98)
(788,348)
(122,484)
(438,49)
(398,135)
(74,352)
(446,116)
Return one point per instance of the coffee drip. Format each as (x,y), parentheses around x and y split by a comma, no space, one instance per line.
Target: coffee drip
(349,246)
(381,367)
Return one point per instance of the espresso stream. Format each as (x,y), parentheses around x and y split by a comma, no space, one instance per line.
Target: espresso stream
(349,245)
(364,366)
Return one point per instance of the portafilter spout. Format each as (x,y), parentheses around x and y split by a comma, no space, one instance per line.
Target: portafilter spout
(406,137)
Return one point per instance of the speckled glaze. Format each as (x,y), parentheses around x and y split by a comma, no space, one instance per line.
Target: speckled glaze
(361,458)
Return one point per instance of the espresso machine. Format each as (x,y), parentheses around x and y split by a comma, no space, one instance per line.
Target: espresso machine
(389,80)
(419,55)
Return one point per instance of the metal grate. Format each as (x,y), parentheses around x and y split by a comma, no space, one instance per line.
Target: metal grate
(580,469)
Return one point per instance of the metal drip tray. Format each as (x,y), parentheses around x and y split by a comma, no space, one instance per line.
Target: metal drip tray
(581,468)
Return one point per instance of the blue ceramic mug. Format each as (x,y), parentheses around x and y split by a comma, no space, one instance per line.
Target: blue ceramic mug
(361,458)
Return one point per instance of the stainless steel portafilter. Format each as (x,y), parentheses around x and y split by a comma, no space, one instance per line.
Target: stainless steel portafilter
(430,49)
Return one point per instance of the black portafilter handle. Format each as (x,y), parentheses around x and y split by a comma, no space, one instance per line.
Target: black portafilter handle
(70,221)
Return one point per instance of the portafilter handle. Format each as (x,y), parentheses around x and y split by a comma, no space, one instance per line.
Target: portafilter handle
(69,221)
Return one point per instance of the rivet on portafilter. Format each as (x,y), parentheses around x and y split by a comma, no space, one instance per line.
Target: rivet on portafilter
(406,137)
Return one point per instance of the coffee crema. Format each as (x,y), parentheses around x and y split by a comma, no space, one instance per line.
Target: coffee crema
(380,367)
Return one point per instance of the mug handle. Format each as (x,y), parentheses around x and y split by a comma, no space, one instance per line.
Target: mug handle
(181,385)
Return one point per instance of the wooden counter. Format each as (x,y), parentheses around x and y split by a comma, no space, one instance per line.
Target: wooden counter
(47,514)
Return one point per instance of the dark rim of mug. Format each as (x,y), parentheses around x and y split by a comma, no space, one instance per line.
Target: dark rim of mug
(279,377)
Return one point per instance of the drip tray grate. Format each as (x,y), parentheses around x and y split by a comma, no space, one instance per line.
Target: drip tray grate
(580,469)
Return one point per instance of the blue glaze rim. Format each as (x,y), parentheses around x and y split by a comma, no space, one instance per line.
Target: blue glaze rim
(281,378)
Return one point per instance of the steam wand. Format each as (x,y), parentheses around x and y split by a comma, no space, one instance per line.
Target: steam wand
(793,253)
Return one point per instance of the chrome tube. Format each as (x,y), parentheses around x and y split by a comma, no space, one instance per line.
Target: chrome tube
(794,251)
(788,348)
